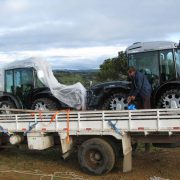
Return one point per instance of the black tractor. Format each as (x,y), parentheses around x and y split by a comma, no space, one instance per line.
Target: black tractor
(23,90)
(160,62)
(30,84)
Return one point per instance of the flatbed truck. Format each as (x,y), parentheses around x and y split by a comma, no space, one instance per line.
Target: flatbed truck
(101,138)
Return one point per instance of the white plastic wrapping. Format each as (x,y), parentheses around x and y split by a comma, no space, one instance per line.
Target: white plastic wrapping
(72,95)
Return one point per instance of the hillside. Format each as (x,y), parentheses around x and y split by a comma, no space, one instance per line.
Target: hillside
(69,77)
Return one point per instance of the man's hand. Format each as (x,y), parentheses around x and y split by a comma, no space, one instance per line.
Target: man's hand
(130,98)
(133,98)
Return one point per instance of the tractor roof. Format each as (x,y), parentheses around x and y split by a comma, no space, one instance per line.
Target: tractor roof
(150,46)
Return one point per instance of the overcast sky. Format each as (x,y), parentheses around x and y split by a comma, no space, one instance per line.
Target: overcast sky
(80,34)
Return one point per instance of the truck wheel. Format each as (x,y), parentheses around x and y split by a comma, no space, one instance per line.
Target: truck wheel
(116,102)
(44,104)
(6,105)
(170,99)
(96,156)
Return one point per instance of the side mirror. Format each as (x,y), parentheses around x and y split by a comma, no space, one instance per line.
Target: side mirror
(90,83)
(40,74)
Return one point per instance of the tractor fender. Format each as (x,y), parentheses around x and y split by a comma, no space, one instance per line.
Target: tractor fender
(43,94)
(115,87)
(111,90)
(96,100)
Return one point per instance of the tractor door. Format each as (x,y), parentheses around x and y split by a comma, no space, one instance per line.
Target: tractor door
(167,66)
(20,82)
(177,58)
(146,62)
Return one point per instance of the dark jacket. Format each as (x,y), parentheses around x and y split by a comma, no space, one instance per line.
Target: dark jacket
(140,85)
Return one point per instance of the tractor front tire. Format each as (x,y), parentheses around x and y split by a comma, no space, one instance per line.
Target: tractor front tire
(116,101)
(44,104)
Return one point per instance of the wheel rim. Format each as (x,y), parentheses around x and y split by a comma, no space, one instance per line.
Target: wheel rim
(94,159)
(41,106)
(171,101)
(118,103)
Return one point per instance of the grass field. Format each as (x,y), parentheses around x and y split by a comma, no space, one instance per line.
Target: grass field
(20,164)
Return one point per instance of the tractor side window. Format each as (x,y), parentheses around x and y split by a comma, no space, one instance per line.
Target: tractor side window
(167,65)
(23,81)
(146,62)
(177,56)
(9,81)
(17,79)
(27,77)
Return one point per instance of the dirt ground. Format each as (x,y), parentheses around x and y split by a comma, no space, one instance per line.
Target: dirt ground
(20,164)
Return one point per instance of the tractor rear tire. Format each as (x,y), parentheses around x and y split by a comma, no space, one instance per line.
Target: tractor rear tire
(7,105)
(169,99)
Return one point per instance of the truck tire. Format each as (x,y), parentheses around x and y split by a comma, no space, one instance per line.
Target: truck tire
(96,156)
(170,99)
(116,102)
(6,105)
(44,104)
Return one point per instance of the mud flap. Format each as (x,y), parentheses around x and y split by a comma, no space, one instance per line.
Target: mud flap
(66,147)
(127,152)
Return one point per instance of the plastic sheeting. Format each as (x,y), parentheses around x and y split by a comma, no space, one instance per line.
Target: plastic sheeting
(72,95)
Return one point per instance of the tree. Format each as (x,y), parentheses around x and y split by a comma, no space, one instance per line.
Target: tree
(113,69)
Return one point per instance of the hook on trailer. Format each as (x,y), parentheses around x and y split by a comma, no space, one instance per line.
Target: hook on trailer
(30,128)
(113,126)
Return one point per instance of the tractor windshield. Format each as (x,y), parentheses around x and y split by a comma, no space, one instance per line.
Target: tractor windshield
(146,62)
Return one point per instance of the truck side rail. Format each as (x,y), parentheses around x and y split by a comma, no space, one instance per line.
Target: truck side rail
(94,122)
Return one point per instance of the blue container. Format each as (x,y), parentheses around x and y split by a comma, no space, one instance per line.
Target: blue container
(131,107)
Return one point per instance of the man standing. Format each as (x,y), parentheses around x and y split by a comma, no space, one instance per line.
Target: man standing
(140,88)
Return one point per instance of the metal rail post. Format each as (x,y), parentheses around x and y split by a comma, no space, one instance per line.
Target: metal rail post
(127,152)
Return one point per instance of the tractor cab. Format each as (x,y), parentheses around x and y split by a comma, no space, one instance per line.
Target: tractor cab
(160,61)
(21,82)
